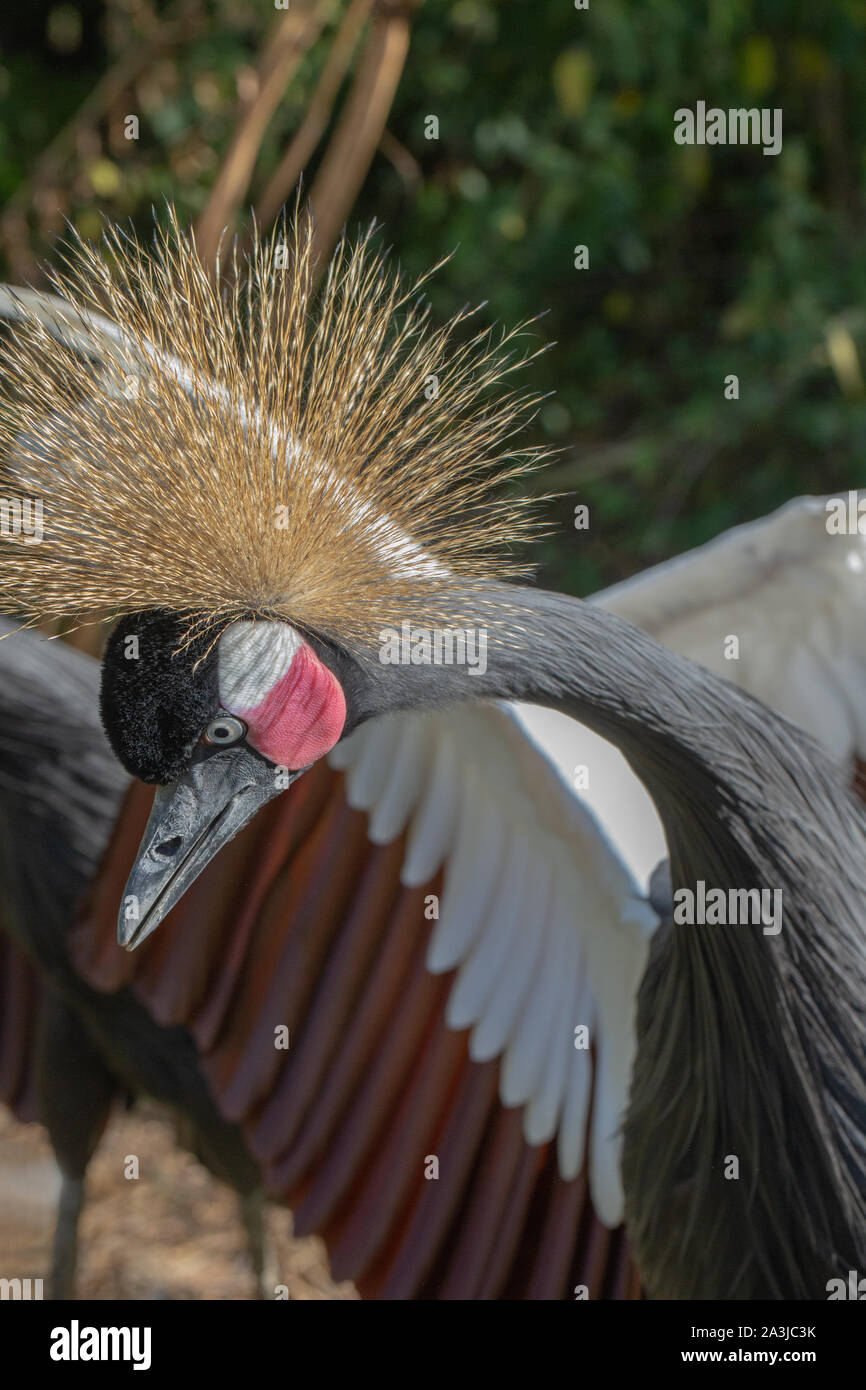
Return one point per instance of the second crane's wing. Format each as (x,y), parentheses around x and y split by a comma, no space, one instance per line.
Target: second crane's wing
(427,926)
(793,594)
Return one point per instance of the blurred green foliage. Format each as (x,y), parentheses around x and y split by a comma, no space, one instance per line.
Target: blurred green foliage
(555,130)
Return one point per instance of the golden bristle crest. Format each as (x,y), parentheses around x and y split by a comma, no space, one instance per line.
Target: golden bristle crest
(327,457)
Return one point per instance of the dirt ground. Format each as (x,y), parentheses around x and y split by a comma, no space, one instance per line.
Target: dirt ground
(174,1233)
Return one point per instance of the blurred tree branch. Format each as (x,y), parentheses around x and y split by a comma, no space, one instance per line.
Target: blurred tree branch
(361,126)
(293,162)
(402,159)
(296,31)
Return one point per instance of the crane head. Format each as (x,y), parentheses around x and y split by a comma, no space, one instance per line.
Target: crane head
(255,473)
(221,726)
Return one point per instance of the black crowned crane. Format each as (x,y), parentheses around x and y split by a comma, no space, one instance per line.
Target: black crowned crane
(251,648)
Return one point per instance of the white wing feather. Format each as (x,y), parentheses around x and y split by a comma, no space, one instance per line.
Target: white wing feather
(795,597)
(545,924)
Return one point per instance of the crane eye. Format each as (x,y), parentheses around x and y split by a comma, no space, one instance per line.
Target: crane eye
(224,729)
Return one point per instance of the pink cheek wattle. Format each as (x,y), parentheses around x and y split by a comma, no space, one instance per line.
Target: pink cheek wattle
(301,717)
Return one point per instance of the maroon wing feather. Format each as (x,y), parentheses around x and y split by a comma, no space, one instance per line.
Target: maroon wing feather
(301,923)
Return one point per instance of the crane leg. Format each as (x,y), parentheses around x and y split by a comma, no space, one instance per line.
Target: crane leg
(260,1244)
(65,1250)
(76,1094)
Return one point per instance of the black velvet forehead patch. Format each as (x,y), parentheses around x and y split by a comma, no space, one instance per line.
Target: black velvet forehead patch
(155,702)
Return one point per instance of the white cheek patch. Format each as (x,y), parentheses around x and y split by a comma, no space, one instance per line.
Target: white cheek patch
(253,657)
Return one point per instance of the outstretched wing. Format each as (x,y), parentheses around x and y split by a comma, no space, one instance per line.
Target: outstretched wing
(429,955)
(794,597)
(539,918)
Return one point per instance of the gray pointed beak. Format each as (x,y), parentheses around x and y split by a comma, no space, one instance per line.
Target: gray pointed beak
(191,820)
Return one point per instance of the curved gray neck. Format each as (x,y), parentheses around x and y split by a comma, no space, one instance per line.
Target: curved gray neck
(676,723)
(746,799)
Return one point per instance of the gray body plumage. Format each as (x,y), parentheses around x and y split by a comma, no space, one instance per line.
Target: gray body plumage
(60,793)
